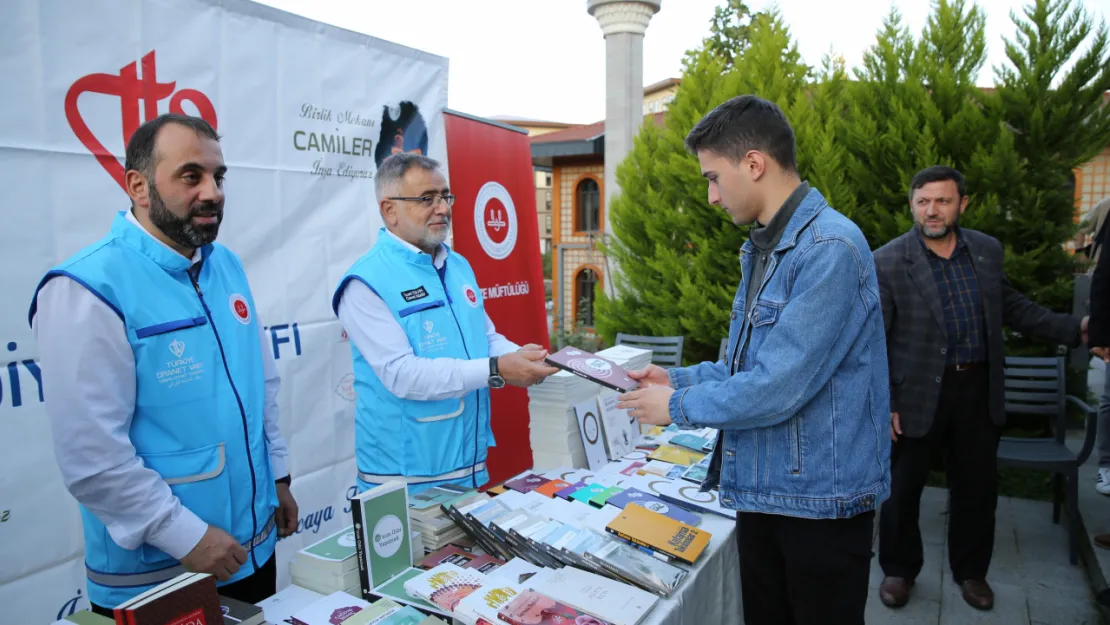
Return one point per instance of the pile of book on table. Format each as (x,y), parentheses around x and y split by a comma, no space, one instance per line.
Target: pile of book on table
(188,599)
(331,564)
(573,419)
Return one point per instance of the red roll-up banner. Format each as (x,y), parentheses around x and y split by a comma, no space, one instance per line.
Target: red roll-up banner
(495,228)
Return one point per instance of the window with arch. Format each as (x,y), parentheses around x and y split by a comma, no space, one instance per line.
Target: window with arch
(588,216)
(584,283)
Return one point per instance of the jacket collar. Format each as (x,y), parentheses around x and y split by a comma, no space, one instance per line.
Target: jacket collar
(409,252)
(807,211)
(131,233)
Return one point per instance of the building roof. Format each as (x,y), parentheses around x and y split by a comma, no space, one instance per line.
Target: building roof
(662,84)
(533,123)
(583,140)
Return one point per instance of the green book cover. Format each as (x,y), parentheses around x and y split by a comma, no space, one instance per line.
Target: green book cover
(598,500)
(586,494)
(375,613)
(86,617)
(405,616)
(381,522)
(395,589)
(335,548)
(436,496)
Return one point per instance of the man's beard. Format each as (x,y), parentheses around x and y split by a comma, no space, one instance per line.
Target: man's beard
(943,232)
(432,239)
(182,230)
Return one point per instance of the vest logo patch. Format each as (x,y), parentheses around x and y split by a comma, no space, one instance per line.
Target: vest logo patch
(428,325)
(239,308)
(180,369)
(470,295)
(178,348)
(432,341)
(414,294)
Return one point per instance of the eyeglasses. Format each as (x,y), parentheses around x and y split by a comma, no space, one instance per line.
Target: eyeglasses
(428,201)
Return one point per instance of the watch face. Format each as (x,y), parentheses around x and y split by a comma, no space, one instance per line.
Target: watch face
(496,381)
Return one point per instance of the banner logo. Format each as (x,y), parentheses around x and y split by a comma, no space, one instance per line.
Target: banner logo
(239,308)
(346,387)
(132,90)
(495,222)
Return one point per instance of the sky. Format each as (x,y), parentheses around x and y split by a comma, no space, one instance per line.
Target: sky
(545,59)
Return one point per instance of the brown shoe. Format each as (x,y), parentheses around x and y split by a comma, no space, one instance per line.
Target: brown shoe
(894,592)
(978,594)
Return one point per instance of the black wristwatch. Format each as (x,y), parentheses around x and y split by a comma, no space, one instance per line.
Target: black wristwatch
(495,379)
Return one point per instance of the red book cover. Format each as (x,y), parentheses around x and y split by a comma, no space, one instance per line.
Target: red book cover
(593,368)
(196,603)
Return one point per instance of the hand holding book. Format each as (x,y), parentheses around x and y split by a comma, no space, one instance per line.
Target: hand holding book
(652,375)
(525,367)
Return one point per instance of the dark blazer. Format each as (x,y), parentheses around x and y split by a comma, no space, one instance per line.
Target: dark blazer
(1098,329)
(916,339)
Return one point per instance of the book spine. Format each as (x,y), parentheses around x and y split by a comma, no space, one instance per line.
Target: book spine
(652,548)
(120,618)
(361,547)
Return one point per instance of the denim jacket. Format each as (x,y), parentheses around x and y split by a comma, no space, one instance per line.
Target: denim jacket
(802,397)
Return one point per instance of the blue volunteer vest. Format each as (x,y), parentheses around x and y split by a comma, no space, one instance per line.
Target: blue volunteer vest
(199,398)
(423,443)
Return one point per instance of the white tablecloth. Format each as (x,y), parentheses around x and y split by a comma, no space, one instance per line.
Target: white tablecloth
(710,594)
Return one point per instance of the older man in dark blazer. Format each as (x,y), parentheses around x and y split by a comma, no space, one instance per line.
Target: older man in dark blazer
(945,299)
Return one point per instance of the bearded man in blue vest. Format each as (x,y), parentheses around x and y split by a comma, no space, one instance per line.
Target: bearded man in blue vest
(425,353)
(161,396)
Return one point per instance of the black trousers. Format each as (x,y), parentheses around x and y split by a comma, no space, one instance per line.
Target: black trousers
(262,584)
(804,571)
(963,433)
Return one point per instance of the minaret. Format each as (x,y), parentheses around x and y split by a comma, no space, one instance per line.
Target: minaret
(623,22)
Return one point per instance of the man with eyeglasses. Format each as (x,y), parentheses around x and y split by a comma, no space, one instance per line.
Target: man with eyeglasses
(425,353)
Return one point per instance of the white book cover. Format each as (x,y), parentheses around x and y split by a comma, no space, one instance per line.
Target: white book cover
(689,495)
(599,519)
(280,607)
(334,608)
(604,598)
(621,430)
(638,455)
(557,473)
(515,571)
(485,602)
(589,426)
(445,585)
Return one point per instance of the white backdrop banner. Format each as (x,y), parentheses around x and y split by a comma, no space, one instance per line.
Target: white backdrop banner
(306,112)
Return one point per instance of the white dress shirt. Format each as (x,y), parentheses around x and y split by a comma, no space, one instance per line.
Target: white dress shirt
(88,378)
(380,339)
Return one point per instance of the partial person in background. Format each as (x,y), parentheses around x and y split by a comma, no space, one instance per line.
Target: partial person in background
(1099,339)
(425,353)
(945,298)
(161,392)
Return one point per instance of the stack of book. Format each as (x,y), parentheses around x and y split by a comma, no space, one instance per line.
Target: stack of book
(427,516)
(187,598)
(554,425)
(329,565)
(343,609)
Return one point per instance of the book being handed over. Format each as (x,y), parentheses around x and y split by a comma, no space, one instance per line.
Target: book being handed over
(593,368)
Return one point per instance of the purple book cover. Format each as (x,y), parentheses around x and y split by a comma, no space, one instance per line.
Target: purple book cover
(654,504)
(527,484)
(593,368)
(570,490)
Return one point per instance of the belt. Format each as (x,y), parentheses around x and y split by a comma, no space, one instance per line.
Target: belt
(966,366)
(124,580)
(423,479)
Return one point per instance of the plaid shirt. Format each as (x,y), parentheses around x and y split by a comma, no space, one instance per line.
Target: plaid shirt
(963,307)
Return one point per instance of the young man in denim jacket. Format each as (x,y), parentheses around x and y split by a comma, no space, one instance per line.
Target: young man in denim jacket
(802,397)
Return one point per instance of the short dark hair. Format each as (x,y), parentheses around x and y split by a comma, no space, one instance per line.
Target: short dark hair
(937,173)
(140,148)
(745,123)
(393,170)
